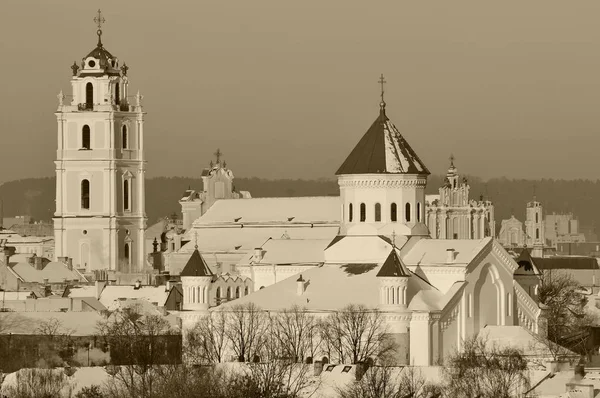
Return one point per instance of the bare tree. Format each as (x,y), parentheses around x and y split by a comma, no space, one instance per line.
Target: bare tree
(357,333)
(39,383)
(245,329)
(206,341)
(296,332)
(377,382)
(480,370)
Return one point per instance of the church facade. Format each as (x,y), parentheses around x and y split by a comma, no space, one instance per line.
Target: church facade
(100,217)
(453,215)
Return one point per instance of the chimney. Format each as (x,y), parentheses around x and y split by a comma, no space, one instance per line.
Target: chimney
(137,285)
(258,254)
(39,265)
(31,260)
(449,256)
(301,285)
(45,281)
(7,254)
(169,285)
(62,259)
(70,264)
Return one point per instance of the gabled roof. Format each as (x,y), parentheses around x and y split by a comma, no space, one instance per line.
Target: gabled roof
(382,150)
(393,266)
(196,266)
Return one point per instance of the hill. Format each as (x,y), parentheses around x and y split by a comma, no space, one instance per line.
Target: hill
(35,196)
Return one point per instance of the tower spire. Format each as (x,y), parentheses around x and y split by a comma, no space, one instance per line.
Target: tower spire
(99,20)
(451,160)
(382,82)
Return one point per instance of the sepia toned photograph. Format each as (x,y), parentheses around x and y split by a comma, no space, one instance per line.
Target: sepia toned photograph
(299,199)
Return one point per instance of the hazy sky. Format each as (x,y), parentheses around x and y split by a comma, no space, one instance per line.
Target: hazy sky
(287,88)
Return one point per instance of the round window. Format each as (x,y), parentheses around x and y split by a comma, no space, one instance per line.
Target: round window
(92,63)
(85,232)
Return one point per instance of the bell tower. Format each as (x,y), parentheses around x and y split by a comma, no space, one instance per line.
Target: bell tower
(100,206)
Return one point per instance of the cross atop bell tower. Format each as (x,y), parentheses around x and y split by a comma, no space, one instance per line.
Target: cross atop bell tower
(382,82)
(99,20)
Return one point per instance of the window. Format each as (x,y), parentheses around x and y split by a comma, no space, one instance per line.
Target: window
(377,212)
(117,94)
(228,293)
(350,212)
(126,251)
(126,184)
(85,194)
(246,290)
(407,212)
(537,232)
(218,293)
(418,211)
(237,292)
(394,212)
(363,212)
(89,96)
(536,218)
(125,137)
(85,137)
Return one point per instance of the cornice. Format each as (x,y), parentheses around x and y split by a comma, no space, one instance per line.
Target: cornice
(381,183)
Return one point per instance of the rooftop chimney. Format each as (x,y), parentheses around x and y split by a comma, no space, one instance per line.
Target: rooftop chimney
(70,264)
(39,265)
(137,285)
(450,256)
(258,254)
(301,285)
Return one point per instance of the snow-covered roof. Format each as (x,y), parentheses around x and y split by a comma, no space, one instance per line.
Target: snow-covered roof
(82,323)
(520,338)
(372,249)
(432,252)
(111,295)
(83,291)
(55,272)
(382,150)
(288,211)
(289,251)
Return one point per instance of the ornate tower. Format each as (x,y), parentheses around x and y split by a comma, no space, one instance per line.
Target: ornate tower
(196,279)
(100,213)
(534,227)
(382,183)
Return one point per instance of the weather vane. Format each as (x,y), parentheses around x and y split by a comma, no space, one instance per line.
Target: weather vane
(99,20)
(382,82)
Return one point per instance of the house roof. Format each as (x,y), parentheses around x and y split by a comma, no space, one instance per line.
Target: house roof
(566,262)
(382,150)
(82,323)
(55,272)
(40,229)
(520,338)
(289,251)
(196,266)
(111,295)
(393,266)
(433,252)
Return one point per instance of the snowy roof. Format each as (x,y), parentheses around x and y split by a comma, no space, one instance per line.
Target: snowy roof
(83,291)
(517,337)
(331,287)
(372,249)
(82,323)
(55,272)
(111,295)
(432,252)
(289,251)
(289,211)
(382,150)
(196,266)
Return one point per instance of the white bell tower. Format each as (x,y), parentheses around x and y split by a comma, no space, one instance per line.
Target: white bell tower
(100,206)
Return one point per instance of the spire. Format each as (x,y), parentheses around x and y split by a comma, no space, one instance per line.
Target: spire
(393,266)
(382,103)
(99,20)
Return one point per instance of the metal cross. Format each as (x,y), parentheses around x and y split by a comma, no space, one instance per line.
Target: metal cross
(451,160)
(99,20)
(218,154)
(382,82)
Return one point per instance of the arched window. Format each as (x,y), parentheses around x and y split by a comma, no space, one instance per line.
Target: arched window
(407,212)
(536,218)
(117,94)
(85,137)
(377,212)
(125,137)
(537,232)
(229,293)
(218,293)
(394,212)
(363,212)
(246,291)
(126,185)
(350,212)
(85,194)
(126,251)
(89,96)
(418,211)
(237,292)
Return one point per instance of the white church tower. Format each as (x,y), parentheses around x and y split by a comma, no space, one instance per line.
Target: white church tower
(534,227)
(382,183)
(100,212)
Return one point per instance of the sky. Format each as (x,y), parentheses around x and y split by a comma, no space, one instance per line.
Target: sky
(286,89)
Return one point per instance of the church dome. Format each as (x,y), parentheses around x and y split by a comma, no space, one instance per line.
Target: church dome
(99,61)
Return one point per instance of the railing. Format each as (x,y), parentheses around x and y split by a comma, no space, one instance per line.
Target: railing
(85,107)
(528,310)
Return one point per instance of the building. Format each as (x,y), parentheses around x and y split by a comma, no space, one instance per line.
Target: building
(100,217)
(432,293)
(534,227)
(217,183)
(511,233)
(562,228)
(453,215)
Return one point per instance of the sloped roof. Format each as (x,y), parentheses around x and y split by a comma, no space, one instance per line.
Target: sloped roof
(41,229)
(290,251)
(382,150)
(526,264)
(112,295)
(432,252)
(55,272)
(393,266)
(566,262)
(196,266)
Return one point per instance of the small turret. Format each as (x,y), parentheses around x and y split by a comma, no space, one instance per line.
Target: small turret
(393,282)
(196,279)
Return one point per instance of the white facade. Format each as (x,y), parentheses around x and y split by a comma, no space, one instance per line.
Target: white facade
(100,215)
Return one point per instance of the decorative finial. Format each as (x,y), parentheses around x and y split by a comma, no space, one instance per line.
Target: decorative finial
(382,82)
(211,164)
(218,154)
(394,238)
(124,69)
(61,98)
(534,193)
(196,240)
(99,20)
(451,160)
(224,164)
(139,98)
(75,68)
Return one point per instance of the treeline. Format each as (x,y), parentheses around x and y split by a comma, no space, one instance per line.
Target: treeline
(35,196)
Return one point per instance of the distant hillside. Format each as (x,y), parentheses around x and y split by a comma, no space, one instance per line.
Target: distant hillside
(35,196)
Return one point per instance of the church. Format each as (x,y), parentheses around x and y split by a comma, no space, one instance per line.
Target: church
(432,293)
